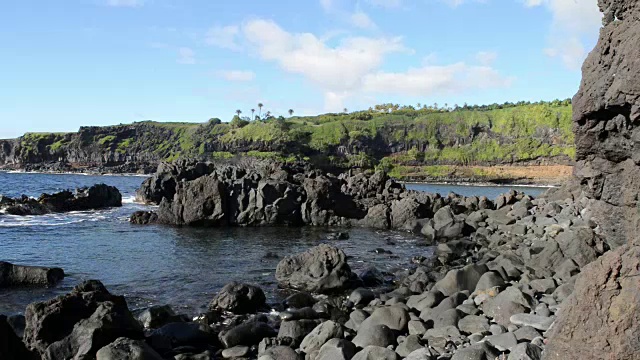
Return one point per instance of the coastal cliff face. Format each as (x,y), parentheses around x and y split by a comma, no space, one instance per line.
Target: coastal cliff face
(607,123)
(530,134)
(602,318)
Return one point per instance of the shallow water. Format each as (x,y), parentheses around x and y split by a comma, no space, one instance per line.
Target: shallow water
(153,264)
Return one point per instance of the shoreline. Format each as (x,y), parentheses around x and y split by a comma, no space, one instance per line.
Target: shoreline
(480,184)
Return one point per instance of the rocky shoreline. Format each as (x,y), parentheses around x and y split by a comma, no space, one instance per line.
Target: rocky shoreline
(495,286)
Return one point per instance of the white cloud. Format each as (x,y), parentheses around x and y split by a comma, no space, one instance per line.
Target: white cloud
(336,68)
(237,75)
(125,3)
(574,23)
(352,68)
(224,37)
(361,20)
(429,80)
(486,57)
(186,56)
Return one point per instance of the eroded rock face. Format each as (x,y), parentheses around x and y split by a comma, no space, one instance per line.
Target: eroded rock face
(606,123)
(601,320)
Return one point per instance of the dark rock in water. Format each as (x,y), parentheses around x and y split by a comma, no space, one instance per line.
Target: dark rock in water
(320,269)
(248,333)
(127,349)
(338,236)
(78,324)
(18,275)
(157,316)
(182,333)
(239,299)
(201,202)
(299,300)
(95,197)
(11,346)
(382,251)
(271,255)
(371,277)
(143,217)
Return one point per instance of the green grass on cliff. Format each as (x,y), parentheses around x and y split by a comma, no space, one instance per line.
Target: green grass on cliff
(390,135)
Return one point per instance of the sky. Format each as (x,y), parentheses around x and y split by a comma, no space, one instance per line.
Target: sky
(71,63)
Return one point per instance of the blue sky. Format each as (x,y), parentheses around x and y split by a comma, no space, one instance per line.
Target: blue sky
(70,63)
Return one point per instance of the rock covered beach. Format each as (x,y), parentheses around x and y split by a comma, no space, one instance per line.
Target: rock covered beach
(500,272)
(516,278)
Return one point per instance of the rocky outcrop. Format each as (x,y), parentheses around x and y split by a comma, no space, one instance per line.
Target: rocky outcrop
(17,275)
(266,193)
(95,197)
(599,319)
(606,122)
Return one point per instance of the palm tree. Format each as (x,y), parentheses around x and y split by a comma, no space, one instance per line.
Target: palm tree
(290,112)
(260,105)
(267,114)
(238,112)
(418,106)
(344,110)
(253,111)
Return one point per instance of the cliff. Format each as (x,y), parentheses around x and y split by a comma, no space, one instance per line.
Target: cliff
(512,134)
(601,320)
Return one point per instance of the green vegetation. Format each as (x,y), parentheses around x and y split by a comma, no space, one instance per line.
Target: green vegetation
(397,138)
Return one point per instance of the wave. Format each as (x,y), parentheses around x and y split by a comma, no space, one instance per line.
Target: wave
(129,200)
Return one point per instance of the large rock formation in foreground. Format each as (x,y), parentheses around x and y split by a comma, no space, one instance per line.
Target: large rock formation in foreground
(95,197)
(601,320)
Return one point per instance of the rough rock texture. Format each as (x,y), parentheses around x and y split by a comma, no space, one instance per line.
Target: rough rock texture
(323,268)
(79,324)
(95,197)
(239,298)
(17,275)
(11,347)
(606,114)
(600,320)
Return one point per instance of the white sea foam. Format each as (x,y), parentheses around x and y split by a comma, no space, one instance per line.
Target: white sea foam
(129,200)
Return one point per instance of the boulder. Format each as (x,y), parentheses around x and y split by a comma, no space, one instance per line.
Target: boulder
(461,279)
(143,217)
(378,335)
(127,349)
(296,330)
(183,334)
(321,269)
(337,349)
(239,298)
(80,323)
(375,353)
(200,202)
(394,317)
(247,333)
(320,335)
(156,316)
(19,275)
(280,353)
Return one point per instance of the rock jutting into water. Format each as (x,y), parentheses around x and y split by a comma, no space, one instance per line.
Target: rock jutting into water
(17,275)
(265,193)
(95,197)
